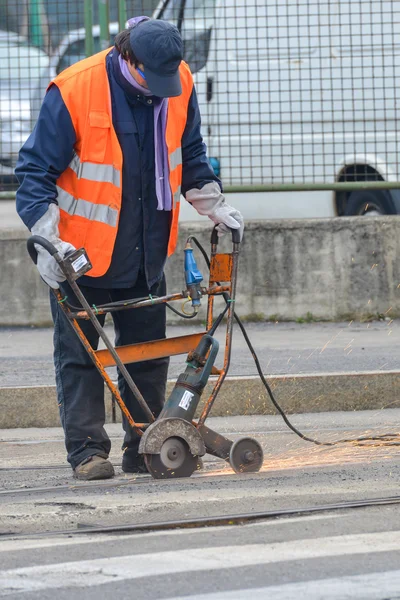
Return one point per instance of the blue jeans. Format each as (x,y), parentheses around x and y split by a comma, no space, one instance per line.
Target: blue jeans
(80,387)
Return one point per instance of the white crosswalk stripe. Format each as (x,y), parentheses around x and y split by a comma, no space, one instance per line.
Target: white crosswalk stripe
(86,573)
(372,586)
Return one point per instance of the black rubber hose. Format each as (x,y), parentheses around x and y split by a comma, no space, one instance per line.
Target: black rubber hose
(387,438)
(181,314)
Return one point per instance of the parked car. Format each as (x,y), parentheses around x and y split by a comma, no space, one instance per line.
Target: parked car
(21,66)
(288,99)
(295,93)
(8,38)
(23,89)
(70,50)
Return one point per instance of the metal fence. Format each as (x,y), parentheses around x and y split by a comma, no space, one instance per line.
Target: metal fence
(294,94)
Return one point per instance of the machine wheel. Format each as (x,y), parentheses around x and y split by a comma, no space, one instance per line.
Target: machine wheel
(246,456)
(174,460)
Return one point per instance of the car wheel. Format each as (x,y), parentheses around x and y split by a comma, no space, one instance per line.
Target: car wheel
(370,203)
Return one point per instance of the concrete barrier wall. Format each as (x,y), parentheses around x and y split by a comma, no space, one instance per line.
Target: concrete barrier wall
(332,269)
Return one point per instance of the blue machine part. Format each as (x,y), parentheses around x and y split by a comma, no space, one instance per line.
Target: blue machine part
(192,273)
(193,276)
(216,165)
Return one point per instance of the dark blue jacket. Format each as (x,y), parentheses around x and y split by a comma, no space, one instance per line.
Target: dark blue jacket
(142,238)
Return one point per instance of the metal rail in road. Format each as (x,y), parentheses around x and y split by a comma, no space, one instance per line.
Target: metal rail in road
(219,521)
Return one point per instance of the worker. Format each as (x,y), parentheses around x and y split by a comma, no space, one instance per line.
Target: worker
(116,143)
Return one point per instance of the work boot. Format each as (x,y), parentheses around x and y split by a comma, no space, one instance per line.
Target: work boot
(133,462)
(94,467)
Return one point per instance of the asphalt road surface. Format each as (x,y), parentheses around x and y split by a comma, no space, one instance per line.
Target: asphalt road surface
(351,553)
(302,558)
(283,348)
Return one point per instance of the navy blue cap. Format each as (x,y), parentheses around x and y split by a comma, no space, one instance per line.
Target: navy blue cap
(158,45)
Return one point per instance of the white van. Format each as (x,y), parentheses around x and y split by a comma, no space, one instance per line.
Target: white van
(297,92)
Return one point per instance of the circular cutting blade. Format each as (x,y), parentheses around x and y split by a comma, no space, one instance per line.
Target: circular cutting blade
(246,456)
(174,460)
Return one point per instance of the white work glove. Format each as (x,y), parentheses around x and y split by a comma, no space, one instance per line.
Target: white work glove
(47,227)
(210,201)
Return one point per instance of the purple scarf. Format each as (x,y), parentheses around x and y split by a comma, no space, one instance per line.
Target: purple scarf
(163,189)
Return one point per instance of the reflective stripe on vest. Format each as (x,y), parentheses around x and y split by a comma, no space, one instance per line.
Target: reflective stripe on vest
(177,196)
(94,171)
(175,158)
(89,210)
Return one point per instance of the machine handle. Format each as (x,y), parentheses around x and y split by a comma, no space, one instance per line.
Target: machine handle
(207,342)
(41,241)
(235,236)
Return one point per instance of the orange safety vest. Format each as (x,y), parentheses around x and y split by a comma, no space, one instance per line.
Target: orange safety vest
(89,190)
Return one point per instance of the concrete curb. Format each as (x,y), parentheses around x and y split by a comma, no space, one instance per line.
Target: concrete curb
(373,390)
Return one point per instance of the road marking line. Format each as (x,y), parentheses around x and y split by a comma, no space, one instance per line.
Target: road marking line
(118,568)
(373,586)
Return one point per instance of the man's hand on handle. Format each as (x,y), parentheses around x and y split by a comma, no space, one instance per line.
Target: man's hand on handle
(210,201)
(47,227)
